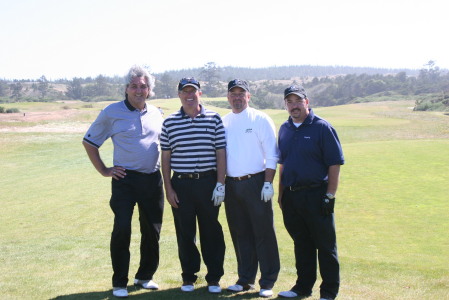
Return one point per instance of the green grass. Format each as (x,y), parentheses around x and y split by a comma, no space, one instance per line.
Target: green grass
(391,210)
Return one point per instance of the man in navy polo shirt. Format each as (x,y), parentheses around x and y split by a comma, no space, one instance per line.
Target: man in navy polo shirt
(310,159)
(134,128)
(194,147)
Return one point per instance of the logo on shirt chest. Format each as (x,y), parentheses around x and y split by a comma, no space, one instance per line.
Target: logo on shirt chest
(249,130)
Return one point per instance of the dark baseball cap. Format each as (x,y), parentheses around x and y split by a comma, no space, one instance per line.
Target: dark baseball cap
(189,81)
(297,90)
(239,83)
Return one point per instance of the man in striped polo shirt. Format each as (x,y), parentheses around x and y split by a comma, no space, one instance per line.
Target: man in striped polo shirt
(193,147)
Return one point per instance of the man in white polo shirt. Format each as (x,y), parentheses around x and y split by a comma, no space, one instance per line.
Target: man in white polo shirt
(251,165)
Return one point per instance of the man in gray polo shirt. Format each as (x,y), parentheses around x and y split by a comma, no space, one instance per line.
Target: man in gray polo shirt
(134,128)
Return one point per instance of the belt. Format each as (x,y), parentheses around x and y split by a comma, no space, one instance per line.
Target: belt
(138,173)
(298,187)
(245,176)
(194,175)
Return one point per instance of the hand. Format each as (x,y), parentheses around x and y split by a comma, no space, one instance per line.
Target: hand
(171,196)
(116,172)
(219,194)
(267,191)
(327,206)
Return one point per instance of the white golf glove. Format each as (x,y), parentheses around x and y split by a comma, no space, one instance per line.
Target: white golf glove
(267,191)
(219,194)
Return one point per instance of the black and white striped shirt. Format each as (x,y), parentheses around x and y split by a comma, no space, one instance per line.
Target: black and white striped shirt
(193,142)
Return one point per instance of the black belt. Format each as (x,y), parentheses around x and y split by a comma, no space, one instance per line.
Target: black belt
(194,175)
(245,176)
(138,173)
(298,187)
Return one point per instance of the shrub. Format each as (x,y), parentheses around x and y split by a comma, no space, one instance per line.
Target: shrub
(12,110)
(2,109)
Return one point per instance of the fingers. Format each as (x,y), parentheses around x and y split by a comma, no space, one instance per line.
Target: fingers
(173,202)
(172,198)
(117,172)
(217,199)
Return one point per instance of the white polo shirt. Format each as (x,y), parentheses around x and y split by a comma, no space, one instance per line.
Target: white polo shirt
(250,142)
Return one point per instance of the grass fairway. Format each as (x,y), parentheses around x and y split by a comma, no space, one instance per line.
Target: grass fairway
(391,213)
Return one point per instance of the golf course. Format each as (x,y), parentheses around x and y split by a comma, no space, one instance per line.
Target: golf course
(392,208)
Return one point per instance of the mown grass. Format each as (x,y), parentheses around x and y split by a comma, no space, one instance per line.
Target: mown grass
(391,211)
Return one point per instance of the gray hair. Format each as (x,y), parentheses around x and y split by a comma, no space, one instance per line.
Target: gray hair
(139,71)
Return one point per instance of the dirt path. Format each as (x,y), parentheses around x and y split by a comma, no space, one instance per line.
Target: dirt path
(23,122)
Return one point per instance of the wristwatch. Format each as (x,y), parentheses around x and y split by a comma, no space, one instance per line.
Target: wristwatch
(330,196)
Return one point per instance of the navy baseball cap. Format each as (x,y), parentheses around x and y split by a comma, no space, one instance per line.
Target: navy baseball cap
(188,81)
(297,90)
(239,83)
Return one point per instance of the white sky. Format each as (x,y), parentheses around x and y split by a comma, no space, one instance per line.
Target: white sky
(80,38)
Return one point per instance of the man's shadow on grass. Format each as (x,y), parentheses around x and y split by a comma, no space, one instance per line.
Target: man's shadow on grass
(173,293)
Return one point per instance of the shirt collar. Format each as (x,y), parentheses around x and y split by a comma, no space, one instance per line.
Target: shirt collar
(201,113)
(132,108)
(308,120)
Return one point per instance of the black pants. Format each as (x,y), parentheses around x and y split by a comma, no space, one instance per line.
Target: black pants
(251,224)
(311,232)
(146,191)
(195,203)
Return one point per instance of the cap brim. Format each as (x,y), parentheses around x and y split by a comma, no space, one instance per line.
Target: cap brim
(190,84)
(240,86)
(301,95)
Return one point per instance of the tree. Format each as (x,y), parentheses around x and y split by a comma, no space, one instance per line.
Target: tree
(210,73)
(3,88)
(42,86)
(75,89)
(430,72)
(401,77)
(101,86)
(166,86)
(16,90)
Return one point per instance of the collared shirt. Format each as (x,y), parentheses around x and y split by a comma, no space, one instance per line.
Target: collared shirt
(308,151)
(193,142)
(135,135)
(251,142)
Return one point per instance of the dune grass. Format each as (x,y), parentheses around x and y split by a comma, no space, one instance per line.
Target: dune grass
(391,210)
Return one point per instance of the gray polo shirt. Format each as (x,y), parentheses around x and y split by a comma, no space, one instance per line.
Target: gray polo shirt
(135,135)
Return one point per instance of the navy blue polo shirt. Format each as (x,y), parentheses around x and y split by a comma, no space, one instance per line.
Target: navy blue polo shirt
(307,152)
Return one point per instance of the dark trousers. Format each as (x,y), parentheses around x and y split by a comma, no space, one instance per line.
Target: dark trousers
(312,232)
(195,203)
(251,225)
(146,191)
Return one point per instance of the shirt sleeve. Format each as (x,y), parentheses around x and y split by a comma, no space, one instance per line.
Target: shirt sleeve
(220,137)
(268,141)
(332,151)
(165,142)
(99,131)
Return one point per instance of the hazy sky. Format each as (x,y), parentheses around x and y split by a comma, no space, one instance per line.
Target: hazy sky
(80,38)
